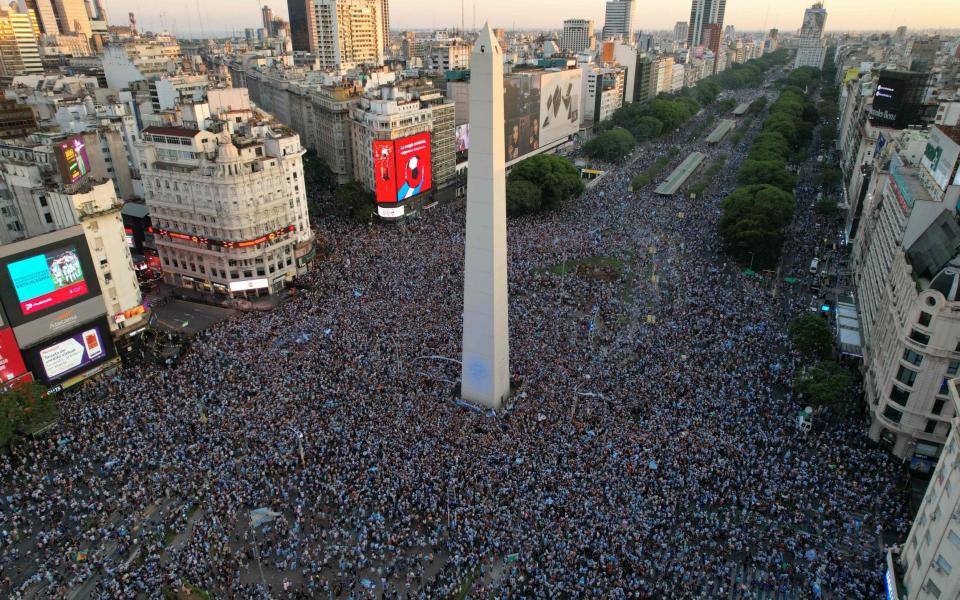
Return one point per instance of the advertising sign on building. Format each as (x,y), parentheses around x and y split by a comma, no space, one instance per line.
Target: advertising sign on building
(559,105)
(384,171)
(72,160)
(73,353)
(11,361)
(37,330)
(940,157)
(249,284)
(414,168)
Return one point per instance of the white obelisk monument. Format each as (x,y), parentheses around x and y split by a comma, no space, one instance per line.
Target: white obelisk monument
(486,341)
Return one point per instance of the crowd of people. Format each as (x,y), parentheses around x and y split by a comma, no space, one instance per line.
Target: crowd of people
(650,451)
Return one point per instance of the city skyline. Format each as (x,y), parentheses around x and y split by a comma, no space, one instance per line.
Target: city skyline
(182,16)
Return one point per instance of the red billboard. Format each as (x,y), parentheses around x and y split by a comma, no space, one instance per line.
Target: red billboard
(413,165)
(402,168)
(384,171)
(11,361)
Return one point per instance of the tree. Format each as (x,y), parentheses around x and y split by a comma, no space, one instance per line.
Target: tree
(316,173)
(827,207)
(757,106)
(354,201)
(24,408)
(772,172)
(555,176)
(825,384)
(752,223)
(811,335)
(610,146)
(829,176)
(522,197)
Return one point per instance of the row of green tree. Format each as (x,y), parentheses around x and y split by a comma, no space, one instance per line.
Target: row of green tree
(822,382)
(636,122)
(756,214)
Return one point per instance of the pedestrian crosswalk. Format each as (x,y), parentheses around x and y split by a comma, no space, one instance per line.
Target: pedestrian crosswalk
(746,583)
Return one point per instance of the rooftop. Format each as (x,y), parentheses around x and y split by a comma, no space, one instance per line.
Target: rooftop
(952,132)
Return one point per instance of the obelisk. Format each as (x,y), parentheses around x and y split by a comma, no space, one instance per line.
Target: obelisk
(486,341)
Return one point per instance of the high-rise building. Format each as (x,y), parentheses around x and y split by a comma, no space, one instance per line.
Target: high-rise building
(618,20)
(680,31)
(703,13)
(19,52)
(901,34)
(72,16)
(349,33)
(813,45)
(46,15)
(577,35)
(385,17)
(246,232)
(267,13)
(303,25)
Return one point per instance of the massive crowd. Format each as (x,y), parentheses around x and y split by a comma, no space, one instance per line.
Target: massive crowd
(651,451)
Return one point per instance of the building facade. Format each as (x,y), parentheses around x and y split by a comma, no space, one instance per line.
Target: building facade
(813,45)
(19,47)
(577,36)
(618,20)
(903,261)
(703,13)
(932,548)
(349,33)
(228,205)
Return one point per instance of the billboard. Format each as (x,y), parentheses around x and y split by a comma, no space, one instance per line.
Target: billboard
(72,160)
(540,108)
(898,99)
(80,349)
(384,171)
(463,141)
(47,279)
(559,105)
(11,361)
(939,157)
(37,330)
(414,168)
(402,168)
(521,111)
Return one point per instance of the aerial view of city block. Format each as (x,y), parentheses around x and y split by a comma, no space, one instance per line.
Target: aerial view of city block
(450,300)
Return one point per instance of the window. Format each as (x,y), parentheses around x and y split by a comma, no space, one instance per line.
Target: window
(943,386)
(954,539)
(891,414)
(920,338)
(914,358)
(943,564)
(937,405)
(900,396)
(43,201)
(924,319)
(932,589)
(906,376)
(953,367)
(926,538)
(931,426)
(48,217)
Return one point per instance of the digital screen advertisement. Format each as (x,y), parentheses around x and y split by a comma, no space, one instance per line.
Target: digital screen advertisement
(77,351)
(73,160)
(402,168)
(463,141)
(11,361)
(48,279)
(413,165)
(383,171)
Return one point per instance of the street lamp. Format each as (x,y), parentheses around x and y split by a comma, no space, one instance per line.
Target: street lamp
(751,261)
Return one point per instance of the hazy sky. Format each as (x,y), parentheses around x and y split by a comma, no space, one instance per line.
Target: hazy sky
(219,16)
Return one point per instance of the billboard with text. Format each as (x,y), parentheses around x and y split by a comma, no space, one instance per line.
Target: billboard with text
(47,278)
(402,168)
(559,105)
(73,353)
(72,160)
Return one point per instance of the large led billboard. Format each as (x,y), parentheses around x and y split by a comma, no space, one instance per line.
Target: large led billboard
(898,99)
(384,171)
(540,108)
(47,279)
(402,168)
(463,141)
(73,353)
(413,166)
(72,159)
(11,361)
(44,275)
